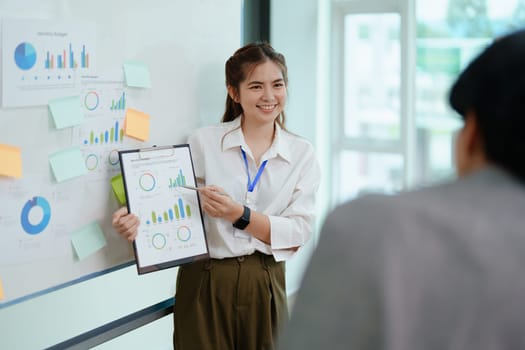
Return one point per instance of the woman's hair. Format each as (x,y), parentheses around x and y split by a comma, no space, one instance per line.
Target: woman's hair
(493,87)
(241,64)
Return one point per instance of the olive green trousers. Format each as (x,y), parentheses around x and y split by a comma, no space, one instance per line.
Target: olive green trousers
(230,304)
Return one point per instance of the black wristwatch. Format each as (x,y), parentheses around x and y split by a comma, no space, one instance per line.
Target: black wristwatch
(244,220)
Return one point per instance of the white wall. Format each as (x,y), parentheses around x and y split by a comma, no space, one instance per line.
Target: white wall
(298,31)
(185,45)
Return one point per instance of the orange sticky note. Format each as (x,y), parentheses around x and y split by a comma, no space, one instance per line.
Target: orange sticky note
(136,124)
(10,161)
(1,290)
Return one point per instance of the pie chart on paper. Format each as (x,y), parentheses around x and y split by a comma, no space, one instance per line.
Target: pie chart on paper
(25,56)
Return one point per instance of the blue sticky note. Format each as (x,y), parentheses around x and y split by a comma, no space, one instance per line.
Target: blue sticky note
(66,111)
(137,74)
(88,240)
(67,164)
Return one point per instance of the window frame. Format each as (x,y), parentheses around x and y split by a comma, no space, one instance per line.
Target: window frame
(405,145)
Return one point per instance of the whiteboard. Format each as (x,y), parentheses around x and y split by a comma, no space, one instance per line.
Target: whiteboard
(184,44)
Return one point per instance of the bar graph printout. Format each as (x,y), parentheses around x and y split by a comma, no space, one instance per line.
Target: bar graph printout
(171,230)
(104,100)
(44,59)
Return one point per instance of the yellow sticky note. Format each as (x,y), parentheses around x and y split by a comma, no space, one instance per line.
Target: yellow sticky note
(10,161)
(118,188)
(1,290)
(136,124)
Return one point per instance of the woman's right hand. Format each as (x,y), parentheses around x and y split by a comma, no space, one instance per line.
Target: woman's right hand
(125,224)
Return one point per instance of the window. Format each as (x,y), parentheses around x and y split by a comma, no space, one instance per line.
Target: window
(449,34)
(364,172)
(368,154)
(372,76)
(394,63)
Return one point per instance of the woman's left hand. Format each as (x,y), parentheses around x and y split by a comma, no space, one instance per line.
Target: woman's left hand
(218,204)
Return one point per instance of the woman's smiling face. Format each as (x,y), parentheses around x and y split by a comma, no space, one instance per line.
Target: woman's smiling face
(262,94)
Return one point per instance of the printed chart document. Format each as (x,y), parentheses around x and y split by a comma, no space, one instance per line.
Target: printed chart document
(171,230)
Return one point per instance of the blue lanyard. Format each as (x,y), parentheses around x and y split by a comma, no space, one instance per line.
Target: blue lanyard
(251,185)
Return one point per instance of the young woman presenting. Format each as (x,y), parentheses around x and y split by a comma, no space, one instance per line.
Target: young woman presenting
(257,184)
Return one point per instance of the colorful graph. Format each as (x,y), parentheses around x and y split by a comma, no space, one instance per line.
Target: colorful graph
(179,181)
(147,182)
(43,204)
(91,161)
(158,240)
(184,233)
(120,104)
(66,60)
(91,100)
(179,211)
(113,157)
(113,135)
(25,56)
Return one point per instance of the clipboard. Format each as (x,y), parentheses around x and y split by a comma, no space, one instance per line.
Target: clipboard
(171,230)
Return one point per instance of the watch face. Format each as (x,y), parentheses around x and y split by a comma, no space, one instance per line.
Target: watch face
(241,224)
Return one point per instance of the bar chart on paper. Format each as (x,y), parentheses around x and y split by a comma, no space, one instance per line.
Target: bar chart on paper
(171,226)
(120,104)
(179,211)
(103,97)
(180,180)
(49,59)
(100,138)
(113,134)
(66,59)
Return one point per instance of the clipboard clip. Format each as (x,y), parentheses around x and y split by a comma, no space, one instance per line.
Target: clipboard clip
(155,152)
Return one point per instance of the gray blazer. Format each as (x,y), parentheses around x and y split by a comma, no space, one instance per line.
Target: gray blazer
(437,268)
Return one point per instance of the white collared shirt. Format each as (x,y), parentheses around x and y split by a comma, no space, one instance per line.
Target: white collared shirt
(285,192)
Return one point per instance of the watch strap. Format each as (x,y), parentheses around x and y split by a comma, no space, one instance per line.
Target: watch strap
(244,220)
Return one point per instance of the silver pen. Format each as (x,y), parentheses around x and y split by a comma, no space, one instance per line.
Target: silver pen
(197,188)
(190,187)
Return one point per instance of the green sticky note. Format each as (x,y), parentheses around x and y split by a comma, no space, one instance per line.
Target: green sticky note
(66,111)
(118,188)
(67,164)
(88,240)
(137,74)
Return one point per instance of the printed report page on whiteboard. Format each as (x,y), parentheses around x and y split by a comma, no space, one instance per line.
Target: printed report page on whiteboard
(171,230)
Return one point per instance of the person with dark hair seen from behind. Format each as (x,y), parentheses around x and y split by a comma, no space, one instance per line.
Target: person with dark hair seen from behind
(438,267)
(257,184)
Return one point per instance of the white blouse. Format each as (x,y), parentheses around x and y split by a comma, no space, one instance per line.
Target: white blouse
(285,191)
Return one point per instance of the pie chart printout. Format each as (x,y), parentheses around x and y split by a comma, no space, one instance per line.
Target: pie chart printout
(25,56)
